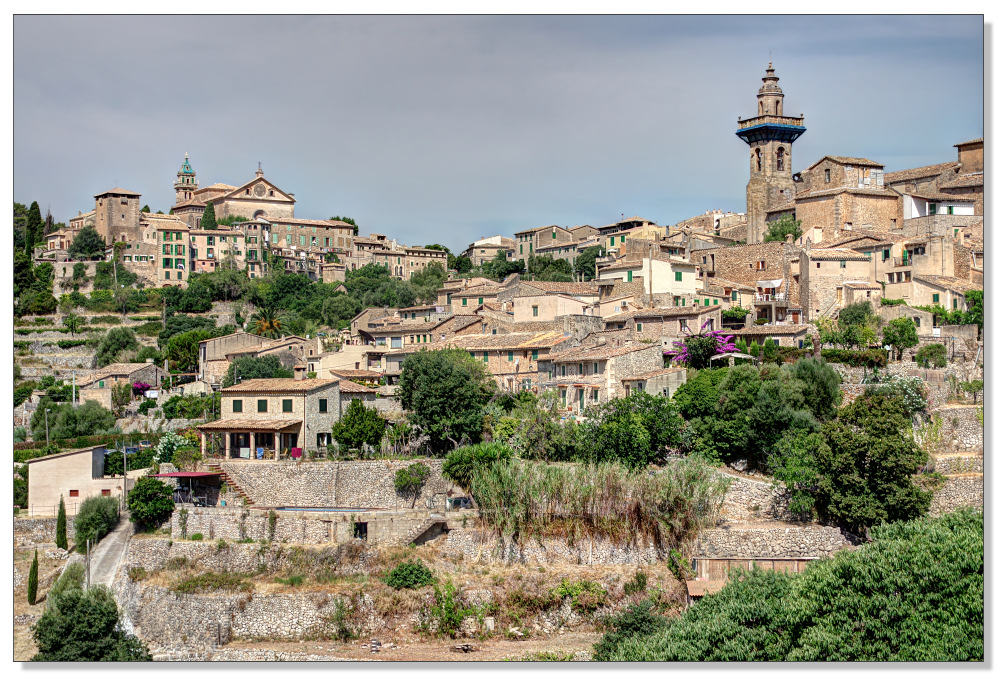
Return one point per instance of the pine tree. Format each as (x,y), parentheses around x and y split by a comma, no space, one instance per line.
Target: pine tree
(33,228)
(61,541)
(208,218)
(33,581)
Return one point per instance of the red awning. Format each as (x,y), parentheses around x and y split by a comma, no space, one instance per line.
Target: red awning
(187,475)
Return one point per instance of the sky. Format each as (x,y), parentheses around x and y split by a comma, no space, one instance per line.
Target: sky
(450,128)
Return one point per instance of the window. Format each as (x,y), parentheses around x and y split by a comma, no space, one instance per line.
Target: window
(734,295)
(553,234)
(612,240)
(817,264)
(534,355)
(480,301)
(780,159)
(678,276)
(843,264)
(715,301)
(826,175)
(936,298)
(286,405)
(954,303)
(465,301)
(237,406)
(534,310)
(916,321)
(563,369)
(302,240)
(762,265)
(885,254)
(510,355)
(262,406)
(166,249)
(105,492)
(73,493)
(486,357)
(166,274)
(630,275)
(638,327)
(931,208)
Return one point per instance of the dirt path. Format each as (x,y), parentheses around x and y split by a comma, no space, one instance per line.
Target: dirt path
(105,558)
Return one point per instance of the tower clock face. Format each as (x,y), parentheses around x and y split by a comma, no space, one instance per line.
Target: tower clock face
(259,190)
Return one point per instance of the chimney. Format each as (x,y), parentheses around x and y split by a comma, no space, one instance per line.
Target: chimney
(300,371)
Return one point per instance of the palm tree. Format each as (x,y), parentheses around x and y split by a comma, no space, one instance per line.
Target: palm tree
(266,322)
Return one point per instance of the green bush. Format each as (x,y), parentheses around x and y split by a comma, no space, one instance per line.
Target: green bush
(586,596)
(97,516)
(890,302)
(197,536)
(67,344)
(149,329)
(293,581)
(150,503)
(409,575)
(409,480)
(636,584)
(460,464)
(933,354)
(106,319)
(85,626)
(449,610)
(360,425)
(72,578)
(636,621)
(146,406)
(867,358)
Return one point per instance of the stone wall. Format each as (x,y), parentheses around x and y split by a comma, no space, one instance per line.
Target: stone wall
(476,545)
(952,429)
(793,542)
(358,484)
(958,492)
(751,500)
(31,532)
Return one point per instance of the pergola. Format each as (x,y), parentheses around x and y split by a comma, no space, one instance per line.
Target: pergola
(262,437)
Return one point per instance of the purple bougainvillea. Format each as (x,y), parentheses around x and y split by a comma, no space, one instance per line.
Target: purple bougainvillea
(680,354)
(139,389)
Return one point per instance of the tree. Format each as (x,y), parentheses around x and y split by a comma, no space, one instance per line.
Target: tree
(499,268)
(182,349)
(549,269)
(410,479)
(585,264)
(179,323)
(915,593)
(786,225)
(73,322)
(266,321)
(339,308)
(150,503)
(87,243)
(360,425)
(900,333)
(145,209)
(66,422)
(769,351)
(858,324)
(973,387)
(463,264)
(121,395)
(85,626)
(820,385)
(97,516)
(445,392)
(115,342)
(33,229)
(635,430)
(974,308)
(249,368)
(33,581)
(933,354)
(208,218)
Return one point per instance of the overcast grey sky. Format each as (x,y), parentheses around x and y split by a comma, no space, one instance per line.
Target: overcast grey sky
(446,129)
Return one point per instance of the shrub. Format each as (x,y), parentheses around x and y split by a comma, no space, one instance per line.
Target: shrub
(114,343)
(197,536)
(409,575)
(72,578)
(461,463)
(293,581)
(62,542)
(890,302)
(211,582)
(85,626)
(146,406)
(149,329)
(933,354)
(638,620)
(150,503)
(586,596)
(360,425)
(409,480)
(448,609)
(67,344)
(97,516)
(636,584)
(867,358)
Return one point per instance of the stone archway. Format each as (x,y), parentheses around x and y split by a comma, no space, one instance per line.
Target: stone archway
(260,213)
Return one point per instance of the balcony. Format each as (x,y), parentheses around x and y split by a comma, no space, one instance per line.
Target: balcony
(776,298)
(771,119)
(903,262)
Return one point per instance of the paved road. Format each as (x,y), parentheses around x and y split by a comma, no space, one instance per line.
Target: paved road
(105,558)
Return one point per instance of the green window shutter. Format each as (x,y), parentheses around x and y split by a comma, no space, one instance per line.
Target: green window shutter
(678,276)
(936,298)
(734,296)
(553,234)
(480,301)
(465,301)
(286,405)
(534,355)
(486,357)
(954,303)
(630,275)
(522,248)
(237,406)
(623,239)
(510,355)
(683,302)
(262,406)
(166,248)
(274,238)
(612,241)
(638,327)
(302,240)
(564,369)
(531,247)
(715,301)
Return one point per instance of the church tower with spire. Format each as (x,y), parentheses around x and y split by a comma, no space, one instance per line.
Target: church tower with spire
(770,135)
(186,182)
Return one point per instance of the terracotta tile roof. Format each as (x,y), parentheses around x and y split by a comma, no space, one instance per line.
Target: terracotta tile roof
(724,283)
(570,288)
(118,191)
(350,387)
(952,283)
(112,370)
(249,424)
(193,202)
(587,354)
(83,215)
(771,330)
(963,181)
(919,172)
(853,240)
(481,290)
(541,227)
(310,221)
(265,385)
(855,161)
(357,373)
(877,192)
(968,143)
(507,341)
(653,374)
(217,186)
(834,254)
(863,286)
(942,196)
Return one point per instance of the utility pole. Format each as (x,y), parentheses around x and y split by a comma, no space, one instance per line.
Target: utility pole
(47,426)
(74,388)
(88,563)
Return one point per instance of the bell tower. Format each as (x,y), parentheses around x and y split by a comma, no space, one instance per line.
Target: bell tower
(770,135)
(186,182)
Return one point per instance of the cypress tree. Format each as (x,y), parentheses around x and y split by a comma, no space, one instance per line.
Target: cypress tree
(33,580)
(32,228)
(61,541)
(208,218)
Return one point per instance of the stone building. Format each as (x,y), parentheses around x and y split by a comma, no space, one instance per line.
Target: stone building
(116,215)
(946,181)
(750,263)
(822,276)
(265,418)
(660,381)
(169,236)
(656,274)
(945,291)
(587,376)
(311,235)
(527,241)
(665,324)
(212,360)
(98,385)
(770,135)
(486,249)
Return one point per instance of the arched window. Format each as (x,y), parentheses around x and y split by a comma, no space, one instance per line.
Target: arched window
(777,107)
(780,159)
(757,157)
(760,107)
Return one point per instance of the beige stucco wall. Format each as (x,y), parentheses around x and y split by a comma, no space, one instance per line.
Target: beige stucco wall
(549,307)
(53,476)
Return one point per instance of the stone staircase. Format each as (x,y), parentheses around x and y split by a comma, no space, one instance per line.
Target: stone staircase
(234,487)
(422,528)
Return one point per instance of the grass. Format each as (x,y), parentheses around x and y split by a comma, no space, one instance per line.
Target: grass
(666,508)
(212,582)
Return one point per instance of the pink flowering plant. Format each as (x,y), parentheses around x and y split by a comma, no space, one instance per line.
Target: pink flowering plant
(696,350)
(139,389)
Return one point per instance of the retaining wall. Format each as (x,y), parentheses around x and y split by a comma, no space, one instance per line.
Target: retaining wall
(476,545)
(791,541)
(32,532)
(958,492)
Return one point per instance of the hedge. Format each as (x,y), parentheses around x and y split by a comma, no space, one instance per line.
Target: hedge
(867,358)
(22,344)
